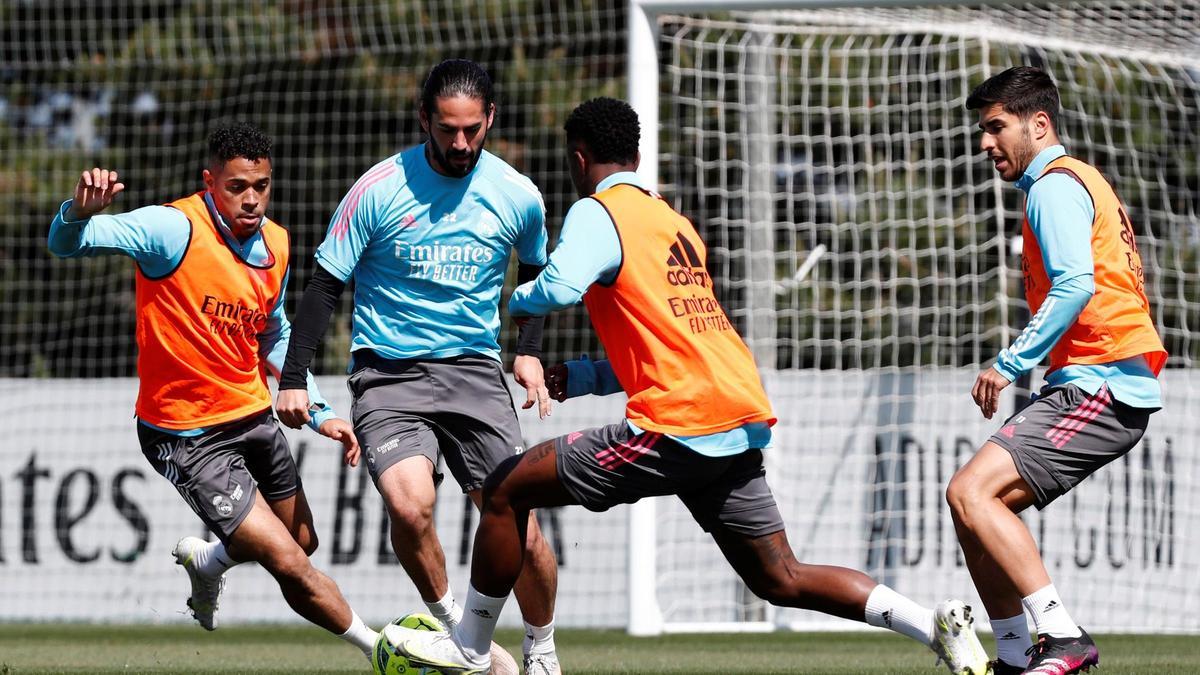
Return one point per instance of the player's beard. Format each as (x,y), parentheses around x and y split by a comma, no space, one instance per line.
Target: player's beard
(455,171)
(1022,155)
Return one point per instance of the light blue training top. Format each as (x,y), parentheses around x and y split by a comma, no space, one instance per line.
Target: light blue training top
(156,237)
(428,253)
(1060,214)
(589,251)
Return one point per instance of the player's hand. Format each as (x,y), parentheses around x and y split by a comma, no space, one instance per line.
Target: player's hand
(95,190)
(291,405)
(340,430)
(556,382)
(527,371)
(986,391)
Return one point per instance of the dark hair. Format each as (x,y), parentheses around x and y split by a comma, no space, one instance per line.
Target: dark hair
(457,77)
(608,127)
(238,139)
(1022,91)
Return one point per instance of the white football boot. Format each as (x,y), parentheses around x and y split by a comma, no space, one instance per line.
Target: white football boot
(542,664)
(206,590)
(954,639)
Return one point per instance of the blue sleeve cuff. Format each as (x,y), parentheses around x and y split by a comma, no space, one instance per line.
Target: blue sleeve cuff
(581,377)
(585,376)
(606,379)
(1006,369)
(316,419)
(65,235)
(62,213)
(318,408)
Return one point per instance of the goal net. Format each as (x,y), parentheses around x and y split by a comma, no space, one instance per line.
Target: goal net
(856,238)
(866,250)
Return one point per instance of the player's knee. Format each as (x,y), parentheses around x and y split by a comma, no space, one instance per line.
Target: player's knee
(962,495)
(410,518)
(288,565)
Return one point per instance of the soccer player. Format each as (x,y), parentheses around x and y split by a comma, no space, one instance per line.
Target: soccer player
(696,421)
(211,270)
(1084,285)
(426,235)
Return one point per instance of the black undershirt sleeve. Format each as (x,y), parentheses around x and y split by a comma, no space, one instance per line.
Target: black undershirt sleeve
(529,334)
(308,327)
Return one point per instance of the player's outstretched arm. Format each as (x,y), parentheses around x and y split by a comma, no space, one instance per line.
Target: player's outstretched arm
(155,237)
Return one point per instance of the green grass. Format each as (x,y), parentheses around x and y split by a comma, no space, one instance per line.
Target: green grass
(43,648)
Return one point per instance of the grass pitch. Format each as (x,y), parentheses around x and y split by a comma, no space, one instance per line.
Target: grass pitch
(46,648)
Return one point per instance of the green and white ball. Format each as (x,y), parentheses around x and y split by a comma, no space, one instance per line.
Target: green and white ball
(385,660)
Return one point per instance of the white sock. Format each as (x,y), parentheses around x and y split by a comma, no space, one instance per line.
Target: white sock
(360,634)
(446,610)
(1049,614)
(888,609)
(474,633)
(539,639)
(1012,640)
(213,560)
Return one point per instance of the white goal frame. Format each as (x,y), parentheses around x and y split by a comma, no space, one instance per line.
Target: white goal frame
(645,614)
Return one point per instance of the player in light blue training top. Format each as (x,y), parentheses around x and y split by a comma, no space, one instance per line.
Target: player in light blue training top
(428,253)
(426,235)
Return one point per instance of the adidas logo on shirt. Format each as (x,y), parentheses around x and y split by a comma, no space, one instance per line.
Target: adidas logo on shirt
(683,265)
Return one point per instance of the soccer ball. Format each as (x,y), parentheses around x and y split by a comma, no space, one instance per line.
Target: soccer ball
(385,660)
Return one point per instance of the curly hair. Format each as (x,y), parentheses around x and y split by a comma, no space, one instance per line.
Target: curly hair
(1021,90)
(238,139)
(608,127)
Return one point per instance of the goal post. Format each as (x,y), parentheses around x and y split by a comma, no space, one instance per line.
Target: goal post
(865,252)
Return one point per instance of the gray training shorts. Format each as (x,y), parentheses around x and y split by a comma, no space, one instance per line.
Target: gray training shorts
(457,408)
(610,465)
(1067,435)
(218,472)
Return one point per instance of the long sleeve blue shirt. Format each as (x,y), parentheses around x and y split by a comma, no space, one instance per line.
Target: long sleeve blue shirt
(1060,214)
(589,251)
(156,238)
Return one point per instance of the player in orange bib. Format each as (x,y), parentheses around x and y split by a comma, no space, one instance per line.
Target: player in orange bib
(695,426)
(1084,286)
(211,271)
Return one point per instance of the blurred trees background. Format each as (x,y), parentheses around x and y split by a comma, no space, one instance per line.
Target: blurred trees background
(873,156)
